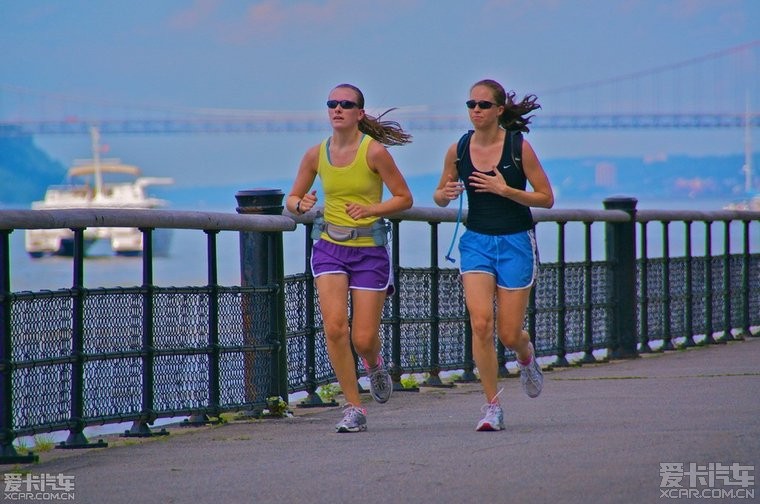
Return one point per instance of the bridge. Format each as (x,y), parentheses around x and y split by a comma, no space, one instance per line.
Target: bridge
(715,90)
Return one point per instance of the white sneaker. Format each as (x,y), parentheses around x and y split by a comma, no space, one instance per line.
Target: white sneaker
(493,419)
(531,376)
(354,419)
(380,382)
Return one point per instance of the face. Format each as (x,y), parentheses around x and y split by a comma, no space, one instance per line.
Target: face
(344,117)
(482,116)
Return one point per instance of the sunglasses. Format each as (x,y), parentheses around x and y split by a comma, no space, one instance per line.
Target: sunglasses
(344,104)
(471,104)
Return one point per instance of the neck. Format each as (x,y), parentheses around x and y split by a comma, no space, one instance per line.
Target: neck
(488,134)
(341,138)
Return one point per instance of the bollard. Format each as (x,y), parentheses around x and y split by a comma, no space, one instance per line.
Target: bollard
(262,265)
(621,253)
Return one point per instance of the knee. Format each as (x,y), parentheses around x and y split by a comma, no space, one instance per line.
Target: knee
(481,327)
(513,339)
(365,342)
(336,330)
(362,346)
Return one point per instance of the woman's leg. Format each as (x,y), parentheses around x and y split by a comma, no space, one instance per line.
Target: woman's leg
(511,307)
(365,334)
(365,327)
(333,303)
(479,294)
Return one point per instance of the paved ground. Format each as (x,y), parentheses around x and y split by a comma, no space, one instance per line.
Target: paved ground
(597,434)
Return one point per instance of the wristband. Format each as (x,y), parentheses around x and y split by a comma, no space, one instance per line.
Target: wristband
(298,207)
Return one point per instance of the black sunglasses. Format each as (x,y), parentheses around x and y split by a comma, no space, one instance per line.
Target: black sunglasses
(471,104)
(345,104)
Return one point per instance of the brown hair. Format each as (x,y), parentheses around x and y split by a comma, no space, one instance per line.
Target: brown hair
(386,132)
(514,116)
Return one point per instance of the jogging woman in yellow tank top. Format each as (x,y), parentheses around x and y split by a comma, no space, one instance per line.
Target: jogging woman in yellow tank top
(350,258)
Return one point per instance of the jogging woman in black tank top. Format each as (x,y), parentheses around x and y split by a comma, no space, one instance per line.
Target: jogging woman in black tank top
(498,252)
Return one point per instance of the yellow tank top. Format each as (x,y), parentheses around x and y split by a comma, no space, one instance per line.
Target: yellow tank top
(355,183)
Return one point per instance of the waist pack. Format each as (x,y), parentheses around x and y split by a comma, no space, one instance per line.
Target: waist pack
(379,231)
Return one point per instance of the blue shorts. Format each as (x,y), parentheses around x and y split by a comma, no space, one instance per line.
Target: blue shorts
(368,268)
(512,258)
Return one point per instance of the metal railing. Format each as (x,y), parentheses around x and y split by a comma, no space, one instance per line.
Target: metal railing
(76,357)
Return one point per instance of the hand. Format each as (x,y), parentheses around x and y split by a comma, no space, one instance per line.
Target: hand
(357,211)
(452,189)
(482,182)
(308,201)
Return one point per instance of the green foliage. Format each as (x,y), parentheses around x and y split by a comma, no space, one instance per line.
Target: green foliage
(329,392)
(277,407)
(456,377)
(409,381)
(42,443)
(22,448)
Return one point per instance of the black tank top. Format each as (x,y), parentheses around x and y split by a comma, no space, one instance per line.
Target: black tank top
(488,213)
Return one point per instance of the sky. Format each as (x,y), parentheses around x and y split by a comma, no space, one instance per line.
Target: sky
(285,56)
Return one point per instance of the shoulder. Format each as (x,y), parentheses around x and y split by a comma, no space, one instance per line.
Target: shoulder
(526,146)
(312,153)
(379,159)
(376,150)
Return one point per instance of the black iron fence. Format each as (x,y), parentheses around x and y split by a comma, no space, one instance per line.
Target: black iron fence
(80,356)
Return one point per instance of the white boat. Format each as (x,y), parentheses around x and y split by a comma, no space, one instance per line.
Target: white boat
(99,183)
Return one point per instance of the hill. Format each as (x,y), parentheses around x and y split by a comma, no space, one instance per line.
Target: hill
(26,171)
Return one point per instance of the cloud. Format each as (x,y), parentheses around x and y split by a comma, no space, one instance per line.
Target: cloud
(193,16)
(516,9)
(281,18)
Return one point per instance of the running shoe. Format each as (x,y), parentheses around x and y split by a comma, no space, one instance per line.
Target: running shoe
(493,419)
(380,382)
(531,376)
(354,420)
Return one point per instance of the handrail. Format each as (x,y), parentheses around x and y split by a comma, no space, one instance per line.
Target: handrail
(174,219)
(435,214)
(220,221)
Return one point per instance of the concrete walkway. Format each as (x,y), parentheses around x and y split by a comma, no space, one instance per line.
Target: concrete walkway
(597,434)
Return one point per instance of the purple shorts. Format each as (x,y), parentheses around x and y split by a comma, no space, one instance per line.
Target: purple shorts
(368,268)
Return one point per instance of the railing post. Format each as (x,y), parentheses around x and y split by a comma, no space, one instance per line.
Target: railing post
(689,296)
(667,329)
(76,438)
(434,380)
(396,369)
(709,327)
(312,399)
(727,322)
(262,265)
(140,427)
(621,252)
(745,328)
(8,454)
(214,354)
(588,301)
(561,358)
(644,285)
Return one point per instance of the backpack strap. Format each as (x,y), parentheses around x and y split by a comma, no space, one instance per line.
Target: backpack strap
(462,145)
(516,143)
